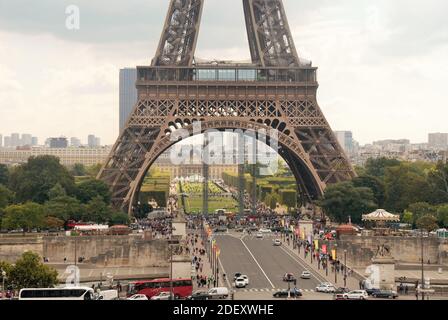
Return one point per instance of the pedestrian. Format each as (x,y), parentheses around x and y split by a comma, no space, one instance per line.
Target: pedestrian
(406,289)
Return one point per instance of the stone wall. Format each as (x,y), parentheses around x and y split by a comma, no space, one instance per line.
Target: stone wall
(361,250)
(13,246)
(108,250)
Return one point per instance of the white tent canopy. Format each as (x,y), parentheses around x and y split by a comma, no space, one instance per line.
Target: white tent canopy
(381,215)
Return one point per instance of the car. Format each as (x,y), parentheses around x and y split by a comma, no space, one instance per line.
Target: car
(356,295)
(199,295)
(277,242)
(326,288)
(218,293)
(162,296)
(240,283)
(259,235)
(289,277)
(265,230)
(342,290)
(339,296)
(390,294)
(138,297)
(305,275)
(370,292)
(221,229)
(237,275)
(284,293)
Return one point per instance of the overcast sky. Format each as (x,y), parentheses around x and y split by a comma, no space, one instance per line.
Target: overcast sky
(383,67)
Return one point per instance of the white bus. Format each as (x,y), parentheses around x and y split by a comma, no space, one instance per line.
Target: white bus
(69,293)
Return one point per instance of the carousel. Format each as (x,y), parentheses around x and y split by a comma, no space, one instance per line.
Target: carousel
(381,218)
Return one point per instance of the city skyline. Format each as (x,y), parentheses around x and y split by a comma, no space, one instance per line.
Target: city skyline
(392,78)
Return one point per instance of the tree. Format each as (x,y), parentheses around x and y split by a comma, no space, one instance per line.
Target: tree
(6,267)
(405,184)
(427,222)
(25,216)
(29,272)
(56,191)
(78,170)
(53,223)
(4,174)
(33,181)
(289,198)
(421,209)
(64,208)
(6,197)
(438,181)
(442,214)
(93,170)
(408,217)
(87,190)
(96,210)
(275,198)
(119,218)
(377,167)
(373,183)
(342,200)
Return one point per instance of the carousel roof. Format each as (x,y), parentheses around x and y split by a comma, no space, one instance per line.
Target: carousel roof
(380,215)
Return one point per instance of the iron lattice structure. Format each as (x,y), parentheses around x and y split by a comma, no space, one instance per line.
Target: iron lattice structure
(276,91)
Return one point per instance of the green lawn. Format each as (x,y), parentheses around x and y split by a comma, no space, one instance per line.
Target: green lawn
(194,204)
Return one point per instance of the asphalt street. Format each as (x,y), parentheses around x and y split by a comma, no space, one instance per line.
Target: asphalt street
(264,263)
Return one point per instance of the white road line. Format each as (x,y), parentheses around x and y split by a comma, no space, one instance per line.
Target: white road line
(317,276)
(270,282)
(224,272)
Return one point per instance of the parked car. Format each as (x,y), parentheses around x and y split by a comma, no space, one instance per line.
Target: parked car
(221,229)
(372,291)
(277,242)
(284,293)
(264,230)
(339,296)
(289,277)
(237,275)
(199,295)
(162,296)
(259,235)
(218,293)
(326,287)
(138,297)
(390,294)
(305,275)
(356,295)
(342,290)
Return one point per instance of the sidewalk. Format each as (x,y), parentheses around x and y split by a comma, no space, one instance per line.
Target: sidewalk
(352,281)
(206,265)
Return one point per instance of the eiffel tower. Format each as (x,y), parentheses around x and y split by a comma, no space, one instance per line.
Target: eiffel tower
(277,90)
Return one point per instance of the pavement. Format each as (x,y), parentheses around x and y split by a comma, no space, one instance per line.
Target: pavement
(265,265)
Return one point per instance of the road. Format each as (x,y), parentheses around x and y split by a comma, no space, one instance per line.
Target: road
(264,263)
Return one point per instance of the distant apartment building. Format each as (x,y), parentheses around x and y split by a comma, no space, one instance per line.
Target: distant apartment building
(15,140)
(58,143)
(67,156)
(75,142)
(27,140)
(438,140)
(93,141)
(128,94)
(345,139)
(1,141)
(7,141)
(34,141)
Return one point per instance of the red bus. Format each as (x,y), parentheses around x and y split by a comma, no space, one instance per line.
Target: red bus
(182,288)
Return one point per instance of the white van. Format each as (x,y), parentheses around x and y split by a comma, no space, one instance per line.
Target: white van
(218,293)
(108,295)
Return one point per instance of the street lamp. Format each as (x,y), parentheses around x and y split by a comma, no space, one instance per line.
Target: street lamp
(345,268)
(3,282)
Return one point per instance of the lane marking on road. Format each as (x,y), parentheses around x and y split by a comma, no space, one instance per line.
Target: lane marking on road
(302,264)
(259,266)
(224,272)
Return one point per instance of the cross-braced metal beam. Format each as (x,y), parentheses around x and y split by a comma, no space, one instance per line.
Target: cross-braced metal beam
(180,33)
